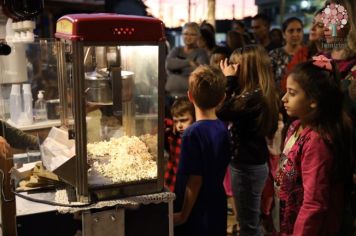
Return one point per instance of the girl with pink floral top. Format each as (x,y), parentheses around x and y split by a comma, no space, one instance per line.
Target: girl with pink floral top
(315,167)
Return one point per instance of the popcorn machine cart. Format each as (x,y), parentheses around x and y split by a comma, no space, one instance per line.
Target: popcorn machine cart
(113,64)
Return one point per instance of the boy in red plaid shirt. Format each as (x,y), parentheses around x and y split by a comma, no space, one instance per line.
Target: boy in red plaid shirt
(183,115)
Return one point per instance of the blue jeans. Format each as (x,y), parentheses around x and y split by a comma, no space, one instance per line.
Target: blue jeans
(247,182)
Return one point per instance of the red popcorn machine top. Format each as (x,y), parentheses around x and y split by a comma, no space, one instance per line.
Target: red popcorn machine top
(112,66)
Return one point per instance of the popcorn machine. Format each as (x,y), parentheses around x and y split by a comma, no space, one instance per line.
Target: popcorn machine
(113,64)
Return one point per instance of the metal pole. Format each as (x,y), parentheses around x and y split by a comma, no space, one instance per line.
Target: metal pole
(243,9)
(281,7)
(211,12)
(171,12)
(160,9)
(189,6)
(195,12)
(233,11)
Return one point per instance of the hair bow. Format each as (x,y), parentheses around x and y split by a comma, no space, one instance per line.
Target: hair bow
(322,62)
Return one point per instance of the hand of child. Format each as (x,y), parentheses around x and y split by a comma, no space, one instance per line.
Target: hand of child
(228,70)
(4,147)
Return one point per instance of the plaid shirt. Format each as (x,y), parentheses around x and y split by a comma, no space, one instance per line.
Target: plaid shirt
(173,144)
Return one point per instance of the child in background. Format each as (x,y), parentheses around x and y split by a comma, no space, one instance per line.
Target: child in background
(315,167)
(219,54)
(200,205)
(251,109)
(183,115)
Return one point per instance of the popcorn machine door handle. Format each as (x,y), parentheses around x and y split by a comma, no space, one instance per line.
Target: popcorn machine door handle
(116,90)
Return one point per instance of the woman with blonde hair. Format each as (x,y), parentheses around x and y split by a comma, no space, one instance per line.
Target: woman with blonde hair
(251,109)
(182,60)
(351,10)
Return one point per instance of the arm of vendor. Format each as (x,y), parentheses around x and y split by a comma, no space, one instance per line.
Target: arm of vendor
(13,137)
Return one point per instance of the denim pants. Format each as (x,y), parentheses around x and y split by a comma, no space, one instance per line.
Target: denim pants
(247,183)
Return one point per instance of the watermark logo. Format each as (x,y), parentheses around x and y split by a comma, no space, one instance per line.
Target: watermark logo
(335,17)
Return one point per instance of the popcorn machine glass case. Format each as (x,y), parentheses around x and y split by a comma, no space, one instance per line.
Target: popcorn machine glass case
(113,64)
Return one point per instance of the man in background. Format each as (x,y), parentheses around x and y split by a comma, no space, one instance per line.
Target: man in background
(260,27)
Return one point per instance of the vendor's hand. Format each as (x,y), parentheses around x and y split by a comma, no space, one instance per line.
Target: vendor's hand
(228,70)
(4,147)
(178,218)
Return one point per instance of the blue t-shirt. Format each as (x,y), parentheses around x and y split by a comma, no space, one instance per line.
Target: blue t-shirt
(204,152)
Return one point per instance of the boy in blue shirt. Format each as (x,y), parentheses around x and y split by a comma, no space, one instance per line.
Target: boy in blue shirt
(200,205)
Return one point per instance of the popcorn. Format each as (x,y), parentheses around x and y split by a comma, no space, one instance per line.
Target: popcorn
(129,159)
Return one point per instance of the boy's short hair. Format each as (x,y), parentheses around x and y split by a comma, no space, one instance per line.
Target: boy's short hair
(182,105)
(207,86)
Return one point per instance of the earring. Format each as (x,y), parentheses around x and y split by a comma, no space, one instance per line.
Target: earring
(313,105)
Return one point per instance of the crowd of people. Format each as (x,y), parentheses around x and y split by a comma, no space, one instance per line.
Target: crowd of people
(273,124)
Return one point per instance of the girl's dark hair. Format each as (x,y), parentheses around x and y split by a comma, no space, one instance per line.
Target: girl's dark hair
(329,118)
(208,37)
(290,20)
(207,26)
